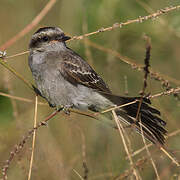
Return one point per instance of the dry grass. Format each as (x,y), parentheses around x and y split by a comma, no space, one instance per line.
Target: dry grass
(135,164)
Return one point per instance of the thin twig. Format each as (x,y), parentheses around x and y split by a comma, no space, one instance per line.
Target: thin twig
(7,66)
(137,20)
(169,92)
(140,150)
(139,163)
(162,149)
(20,145)
(138,118)
(119,25)
(83,147)
(34,137)
(154,75)
(174,133)
(139,67)
(117,107)
(146,72)
(92,115)
(161,20)
(21,98)
(34,22)
(15,55)
(170,156)
(80,177)
(148,152)
(120,128)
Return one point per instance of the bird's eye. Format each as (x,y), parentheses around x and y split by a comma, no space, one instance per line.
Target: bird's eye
(45,38)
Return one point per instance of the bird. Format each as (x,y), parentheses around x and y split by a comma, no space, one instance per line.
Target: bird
(65,79)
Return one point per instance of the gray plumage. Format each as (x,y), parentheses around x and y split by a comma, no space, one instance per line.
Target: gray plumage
(63,78)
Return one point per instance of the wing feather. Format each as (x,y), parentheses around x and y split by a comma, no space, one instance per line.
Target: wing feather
(78,71)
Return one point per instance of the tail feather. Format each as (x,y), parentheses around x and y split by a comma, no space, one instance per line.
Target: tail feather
(152,126)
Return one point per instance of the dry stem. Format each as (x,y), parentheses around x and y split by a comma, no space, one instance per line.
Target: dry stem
(35,21)
(120,128)
(20,145)
(149,154)
(137,20)
(34,137)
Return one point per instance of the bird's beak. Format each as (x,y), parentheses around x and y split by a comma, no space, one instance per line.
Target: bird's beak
(65,38)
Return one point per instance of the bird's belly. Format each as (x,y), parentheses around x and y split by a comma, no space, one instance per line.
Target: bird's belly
(56,92)
(60,92)
(87,98)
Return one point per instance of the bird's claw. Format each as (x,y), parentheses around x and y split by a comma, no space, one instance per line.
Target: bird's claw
(2,54)
(66,109)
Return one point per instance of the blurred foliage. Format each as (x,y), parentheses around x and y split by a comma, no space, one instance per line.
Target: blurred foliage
(6,113)
(58,146)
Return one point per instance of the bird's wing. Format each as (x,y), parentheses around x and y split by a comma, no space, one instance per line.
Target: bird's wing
(77,71)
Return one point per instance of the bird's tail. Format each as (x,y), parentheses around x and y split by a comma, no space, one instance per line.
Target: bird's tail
(148,121)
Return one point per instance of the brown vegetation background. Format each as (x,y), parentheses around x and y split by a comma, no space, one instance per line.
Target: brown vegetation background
(68,142)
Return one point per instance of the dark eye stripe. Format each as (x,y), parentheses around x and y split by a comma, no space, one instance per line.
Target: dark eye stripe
(35,42)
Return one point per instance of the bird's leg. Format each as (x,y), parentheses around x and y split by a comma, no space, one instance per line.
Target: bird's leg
(66,108)
(59,108)
(36,90)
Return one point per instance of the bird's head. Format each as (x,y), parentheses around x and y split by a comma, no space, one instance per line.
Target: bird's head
(47,36)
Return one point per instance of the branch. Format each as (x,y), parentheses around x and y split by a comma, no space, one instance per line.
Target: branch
(20,146)
(34,22)
(140,19)
(34,137)
(120,128)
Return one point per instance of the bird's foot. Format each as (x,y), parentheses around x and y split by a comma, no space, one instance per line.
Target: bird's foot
(65,108)
(36,90)
(59,108)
